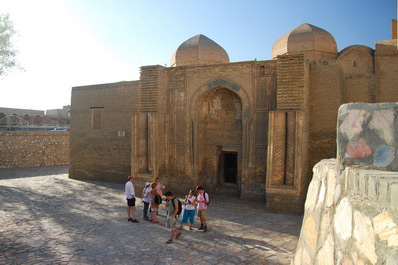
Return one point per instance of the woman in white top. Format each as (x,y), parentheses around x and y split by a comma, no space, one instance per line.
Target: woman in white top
(189,210)
(146,198)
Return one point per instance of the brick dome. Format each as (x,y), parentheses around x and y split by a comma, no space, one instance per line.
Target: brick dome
(307,39)
(199,50)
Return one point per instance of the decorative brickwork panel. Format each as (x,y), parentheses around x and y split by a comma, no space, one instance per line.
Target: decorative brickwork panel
(148,89)
(278,153)
(261,93)
(180,101)
(290,82)
(282,150)
(261,128)
(290,148)
(179,141)
(176,78)
(180,163)
(33,149)
(261,159)
(142,143)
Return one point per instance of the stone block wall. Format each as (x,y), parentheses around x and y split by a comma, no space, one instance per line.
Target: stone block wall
(33,149)
(351,217)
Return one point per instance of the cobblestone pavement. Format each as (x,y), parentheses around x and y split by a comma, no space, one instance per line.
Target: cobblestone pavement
(47,218)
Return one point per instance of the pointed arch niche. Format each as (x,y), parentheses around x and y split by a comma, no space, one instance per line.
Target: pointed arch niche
(220,112)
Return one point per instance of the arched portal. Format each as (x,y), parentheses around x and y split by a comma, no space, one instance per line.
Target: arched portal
(219,113)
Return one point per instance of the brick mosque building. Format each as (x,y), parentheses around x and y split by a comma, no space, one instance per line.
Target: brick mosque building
(253,129)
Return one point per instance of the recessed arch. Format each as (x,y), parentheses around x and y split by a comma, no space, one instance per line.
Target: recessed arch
(220,115)
(221,83)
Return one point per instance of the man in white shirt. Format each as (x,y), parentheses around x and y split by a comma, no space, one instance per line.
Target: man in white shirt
(130,196)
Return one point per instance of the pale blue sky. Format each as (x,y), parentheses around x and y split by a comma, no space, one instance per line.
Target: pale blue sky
(80,42)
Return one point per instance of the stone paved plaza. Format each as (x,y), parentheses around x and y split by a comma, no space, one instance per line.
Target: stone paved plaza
(47,218)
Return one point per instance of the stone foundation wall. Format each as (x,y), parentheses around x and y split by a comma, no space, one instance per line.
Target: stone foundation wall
(351,217)
(33,149)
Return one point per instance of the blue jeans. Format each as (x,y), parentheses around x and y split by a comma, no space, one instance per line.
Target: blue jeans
(190,214)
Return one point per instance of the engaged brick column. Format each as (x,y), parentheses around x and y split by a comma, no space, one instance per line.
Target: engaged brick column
(367,135)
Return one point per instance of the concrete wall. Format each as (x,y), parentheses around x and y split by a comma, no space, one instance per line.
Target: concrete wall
(33,149)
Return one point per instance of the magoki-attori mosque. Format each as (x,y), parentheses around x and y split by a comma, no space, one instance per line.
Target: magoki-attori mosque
(251,129)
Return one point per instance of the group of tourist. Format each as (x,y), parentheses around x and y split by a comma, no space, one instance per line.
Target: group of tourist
(151,197)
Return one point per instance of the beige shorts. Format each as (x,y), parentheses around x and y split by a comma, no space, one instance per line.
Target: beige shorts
(202,213)
(171,222)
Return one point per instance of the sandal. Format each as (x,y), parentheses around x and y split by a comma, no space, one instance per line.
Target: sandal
(130,219)
(178,235)
(169,241)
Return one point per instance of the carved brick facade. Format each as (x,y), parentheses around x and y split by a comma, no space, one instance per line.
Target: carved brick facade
(252,128)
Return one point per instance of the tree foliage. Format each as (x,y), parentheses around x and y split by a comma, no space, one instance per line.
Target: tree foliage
(7,50)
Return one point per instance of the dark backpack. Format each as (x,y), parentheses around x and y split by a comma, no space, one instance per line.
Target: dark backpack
(208,198)
(158,199)
(179,206)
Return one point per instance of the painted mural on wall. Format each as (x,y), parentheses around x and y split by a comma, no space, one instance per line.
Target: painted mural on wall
(367,135)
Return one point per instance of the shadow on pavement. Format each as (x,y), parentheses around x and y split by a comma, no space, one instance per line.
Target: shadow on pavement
(9,173)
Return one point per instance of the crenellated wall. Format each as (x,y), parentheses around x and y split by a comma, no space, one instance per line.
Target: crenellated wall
(33,149)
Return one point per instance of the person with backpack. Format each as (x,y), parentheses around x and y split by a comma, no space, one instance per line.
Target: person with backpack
(156,200)
(172,205)
(189,211)
(203,200)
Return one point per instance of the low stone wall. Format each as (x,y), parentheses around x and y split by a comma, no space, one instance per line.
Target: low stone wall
(33,149)
(351,217)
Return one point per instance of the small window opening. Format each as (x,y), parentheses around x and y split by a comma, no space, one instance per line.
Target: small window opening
(262,70)
(96,118)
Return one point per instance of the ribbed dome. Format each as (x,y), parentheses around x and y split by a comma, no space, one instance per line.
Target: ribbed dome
(307,39)
(199,50)
(360,48)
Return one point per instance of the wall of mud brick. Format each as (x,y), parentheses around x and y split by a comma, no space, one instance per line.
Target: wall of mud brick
(33,149)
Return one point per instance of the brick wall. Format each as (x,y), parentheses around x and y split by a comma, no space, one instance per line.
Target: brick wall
(325,97)
(103,152)
(387,75)
(33,149)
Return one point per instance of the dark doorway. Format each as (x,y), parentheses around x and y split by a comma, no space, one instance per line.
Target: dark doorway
(230,167)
